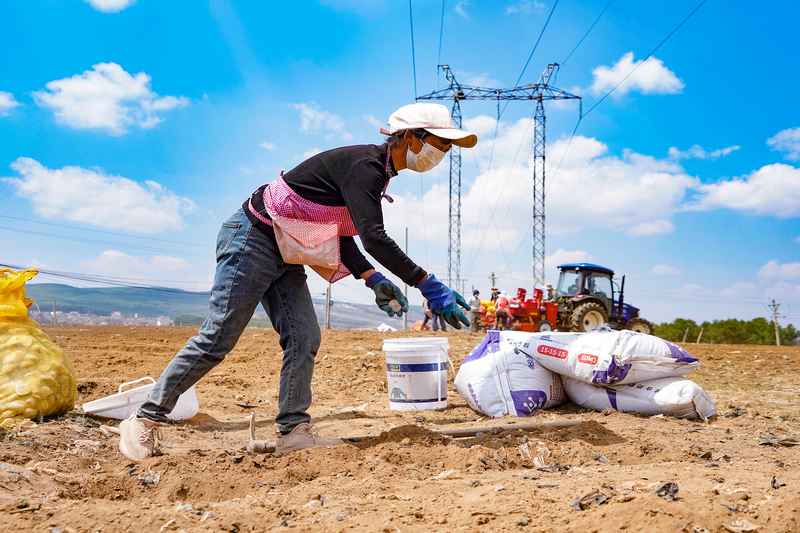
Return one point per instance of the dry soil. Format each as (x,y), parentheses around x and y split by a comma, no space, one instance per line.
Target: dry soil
(739,472)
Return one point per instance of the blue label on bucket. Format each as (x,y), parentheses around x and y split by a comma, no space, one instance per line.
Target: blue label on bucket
(416,367)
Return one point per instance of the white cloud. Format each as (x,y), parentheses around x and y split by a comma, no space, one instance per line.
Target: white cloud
(161,270)
(106,98)
(788,142)
(93,197)
(653,227)
(7,103)
(524,7)
(592,189)
(268,146)
(561,256)
(316,120)
(777,271)
(651,77)
(373,121)
(461,8)
(665,270)
(110,6)
(479,79)
(698,152)
(771,190)
(739,289)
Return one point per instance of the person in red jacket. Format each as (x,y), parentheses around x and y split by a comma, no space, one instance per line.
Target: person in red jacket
(308,216)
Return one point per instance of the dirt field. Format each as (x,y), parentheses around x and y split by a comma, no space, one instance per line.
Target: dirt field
(65,475)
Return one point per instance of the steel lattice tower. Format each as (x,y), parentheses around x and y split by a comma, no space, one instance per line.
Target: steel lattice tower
(540,91)
(538,194)
(454,212)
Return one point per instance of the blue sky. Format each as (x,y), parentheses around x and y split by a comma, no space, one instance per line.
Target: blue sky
(158,119)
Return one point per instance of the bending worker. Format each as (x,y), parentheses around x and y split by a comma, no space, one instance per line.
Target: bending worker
(308,216)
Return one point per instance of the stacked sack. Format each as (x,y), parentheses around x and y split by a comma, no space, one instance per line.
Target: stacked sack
(500,377)
(621,370)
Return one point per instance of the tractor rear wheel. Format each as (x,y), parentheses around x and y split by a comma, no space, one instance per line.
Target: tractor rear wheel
(588,317)
(639,325)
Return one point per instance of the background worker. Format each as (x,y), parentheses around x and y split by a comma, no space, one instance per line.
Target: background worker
(475,310)
(261,251)
(502,313)
(426,310)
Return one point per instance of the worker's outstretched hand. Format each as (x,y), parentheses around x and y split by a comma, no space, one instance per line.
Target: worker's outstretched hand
(388,296)
(444,301)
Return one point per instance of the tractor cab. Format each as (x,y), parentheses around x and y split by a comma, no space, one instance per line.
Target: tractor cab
(585,279)
(588,298)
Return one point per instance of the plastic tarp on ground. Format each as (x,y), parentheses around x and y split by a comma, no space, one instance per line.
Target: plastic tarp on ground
(677,397)
(497,378)
(606,357)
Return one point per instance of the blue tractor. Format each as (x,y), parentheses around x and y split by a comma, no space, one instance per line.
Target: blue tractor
(588,297)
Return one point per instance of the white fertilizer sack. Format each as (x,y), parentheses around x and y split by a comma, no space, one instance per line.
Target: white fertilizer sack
(678,397)
(608,357)
(496,379)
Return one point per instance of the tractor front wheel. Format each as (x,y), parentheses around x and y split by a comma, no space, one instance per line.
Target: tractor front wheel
(588,317)
(639,325)
(544,325)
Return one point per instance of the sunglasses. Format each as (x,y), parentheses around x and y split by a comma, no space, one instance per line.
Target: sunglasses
(439,142)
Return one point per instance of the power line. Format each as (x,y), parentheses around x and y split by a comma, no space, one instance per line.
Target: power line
(413,52)
(101,280)
(500,112)
(628,75)
(536,44)
(441,36)
(652,52)
(95,230)
(585,35)
(83,240)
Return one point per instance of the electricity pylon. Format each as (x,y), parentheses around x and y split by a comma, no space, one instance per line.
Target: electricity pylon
(539,92)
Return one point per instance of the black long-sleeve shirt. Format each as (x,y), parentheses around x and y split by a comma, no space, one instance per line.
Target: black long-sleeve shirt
(355,177)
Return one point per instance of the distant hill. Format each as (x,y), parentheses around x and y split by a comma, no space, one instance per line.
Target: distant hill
(177,303)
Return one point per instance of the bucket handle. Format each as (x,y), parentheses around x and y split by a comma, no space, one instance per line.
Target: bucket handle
(140,380)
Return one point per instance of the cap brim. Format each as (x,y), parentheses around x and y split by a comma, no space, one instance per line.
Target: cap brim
(461,138)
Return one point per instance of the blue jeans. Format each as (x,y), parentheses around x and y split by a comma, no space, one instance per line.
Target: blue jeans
(249,270)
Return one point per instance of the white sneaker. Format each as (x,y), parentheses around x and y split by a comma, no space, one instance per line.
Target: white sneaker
(301,437)
(139,438)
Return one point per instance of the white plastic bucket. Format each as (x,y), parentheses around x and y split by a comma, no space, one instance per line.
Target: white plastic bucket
(416,373)
(126,402)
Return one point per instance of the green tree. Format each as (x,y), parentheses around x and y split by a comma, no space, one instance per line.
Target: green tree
(730,331)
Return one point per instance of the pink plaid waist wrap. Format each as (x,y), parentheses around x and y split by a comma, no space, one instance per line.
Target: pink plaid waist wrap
(307,232)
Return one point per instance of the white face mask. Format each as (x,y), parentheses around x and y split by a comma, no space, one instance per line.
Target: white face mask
(426,159)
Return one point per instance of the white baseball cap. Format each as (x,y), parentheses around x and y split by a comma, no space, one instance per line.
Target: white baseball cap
(433,118)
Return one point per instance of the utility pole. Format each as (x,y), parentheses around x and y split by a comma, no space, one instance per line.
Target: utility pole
(405,289)
(55,316)
(538,92)
(328,307)
(775,307)
(493,280)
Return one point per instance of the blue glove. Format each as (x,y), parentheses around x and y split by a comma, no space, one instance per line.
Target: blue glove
(388,296)
(444,301)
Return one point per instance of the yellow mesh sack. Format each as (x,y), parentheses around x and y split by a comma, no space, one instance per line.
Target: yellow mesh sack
(36,378)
